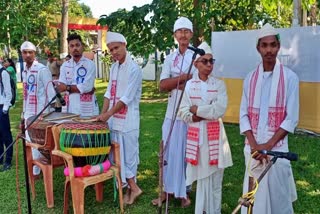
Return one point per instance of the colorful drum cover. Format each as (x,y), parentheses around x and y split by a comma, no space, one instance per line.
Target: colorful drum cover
(88,143)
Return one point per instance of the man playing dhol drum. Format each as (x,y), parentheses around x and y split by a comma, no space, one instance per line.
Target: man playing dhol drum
(121,110)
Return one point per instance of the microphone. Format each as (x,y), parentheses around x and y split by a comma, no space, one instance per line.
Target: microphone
(287,155)
(197,50)
(58,95)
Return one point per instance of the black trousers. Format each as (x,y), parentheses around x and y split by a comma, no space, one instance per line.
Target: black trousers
(5,136)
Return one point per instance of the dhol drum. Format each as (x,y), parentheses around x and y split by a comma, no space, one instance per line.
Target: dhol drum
(88,143)
(38,130)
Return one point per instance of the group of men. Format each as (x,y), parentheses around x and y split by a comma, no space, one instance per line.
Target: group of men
(199,149)
(269,111)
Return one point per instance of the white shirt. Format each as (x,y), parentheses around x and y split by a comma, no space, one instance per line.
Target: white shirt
(210,110)
(82,74)
(174,65)
(44,91)
(291,103)
(6,94)
(128,77)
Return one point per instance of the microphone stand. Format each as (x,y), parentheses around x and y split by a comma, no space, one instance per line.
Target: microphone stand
(23,132)
(247,201)
(162,151)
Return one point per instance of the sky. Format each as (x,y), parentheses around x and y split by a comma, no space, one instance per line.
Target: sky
(106,7)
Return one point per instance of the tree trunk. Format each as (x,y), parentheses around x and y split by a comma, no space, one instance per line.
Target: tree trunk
(313,14)
(9,40)
(197,29)
(64,29)
(296,20)
(304,17)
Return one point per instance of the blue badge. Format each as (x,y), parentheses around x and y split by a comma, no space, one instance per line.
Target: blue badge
(81,73)
(31,82)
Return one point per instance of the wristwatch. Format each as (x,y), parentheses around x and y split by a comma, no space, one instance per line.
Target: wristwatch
(68,88)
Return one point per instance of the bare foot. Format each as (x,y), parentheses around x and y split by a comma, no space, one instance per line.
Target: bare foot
(156,201)
(134,195)
(185,202)
(126,197)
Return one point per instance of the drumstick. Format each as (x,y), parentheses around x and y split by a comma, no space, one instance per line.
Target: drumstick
(64,117)
(82,120)
(47,114)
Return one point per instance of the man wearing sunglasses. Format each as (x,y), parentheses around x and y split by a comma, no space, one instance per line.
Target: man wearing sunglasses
(269,111)
(203,105)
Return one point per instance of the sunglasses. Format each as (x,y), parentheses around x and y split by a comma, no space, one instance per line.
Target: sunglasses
(205,61)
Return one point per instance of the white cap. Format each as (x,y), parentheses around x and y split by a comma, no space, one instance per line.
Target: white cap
(266,30)
(182,22)
(28,46)
(204,46)
(115,37)
(63,55)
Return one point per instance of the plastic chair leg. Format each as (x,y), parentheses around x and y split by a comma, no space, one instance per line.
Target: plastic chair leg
(66,197)
(48,184)
(78,198)
(99,191)
(120,193)
(30,171)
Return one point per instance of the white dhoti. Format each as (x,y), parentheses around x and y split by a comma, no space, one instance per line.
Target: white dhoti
(209,192)
(35,155)
(274,189)
(174,173)
(129,152)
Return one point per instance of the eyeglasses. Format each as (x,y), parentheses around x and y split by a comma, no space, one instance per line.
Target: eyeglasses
(205,61)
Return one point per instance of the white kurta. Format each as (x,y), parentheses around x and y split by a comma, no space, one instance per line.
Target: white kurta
(82,74)
(277,189)
(37,92)
(174,65)
(209,177)
(37,83)
(126,81)
(125,84)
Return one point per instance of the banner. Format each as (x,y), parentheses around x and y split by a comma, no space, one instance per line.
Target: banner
(236,53)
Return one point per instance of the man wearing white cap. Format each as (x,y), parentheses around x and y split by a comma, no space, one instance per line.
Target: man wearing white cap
(121,110)
(172,79)
(269,111)
(77,77)
(37,89)
(203,105)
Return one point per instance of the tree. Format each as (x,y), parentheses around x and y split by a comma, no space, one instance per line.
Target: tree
(150,26)
(86,10)
(20,23)
(26,20)
(64,29)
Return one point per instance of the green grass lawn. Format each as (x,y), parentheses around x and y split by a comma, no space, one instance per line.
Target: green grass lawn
(152,108)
